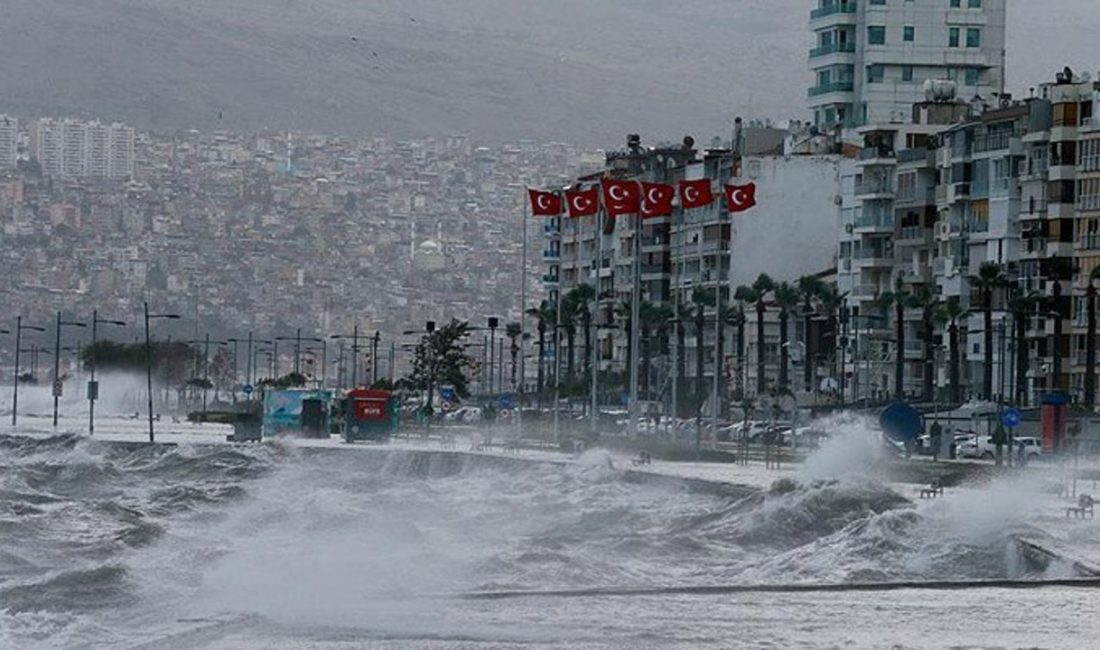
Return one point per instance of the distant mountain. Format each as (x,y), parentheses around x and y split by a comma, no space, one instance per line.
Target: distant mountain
(573,70)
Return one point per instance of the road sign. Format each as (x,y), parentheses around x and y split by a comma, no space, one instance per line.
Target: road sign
(448,394)
(901,422)
(248,389)
(1011,418)
(58,388)
(507,400)
(93,390)
(625,397)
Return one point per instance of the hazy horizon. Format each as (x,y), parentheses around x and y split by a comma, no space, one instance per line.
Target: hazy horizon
(580,71)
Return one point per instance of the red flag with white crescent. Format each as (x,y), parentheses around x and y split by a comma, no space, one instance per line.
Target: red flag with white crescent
(583,203)
(741,197)
(695,194)
(545,204)
(657,200)
(622,197)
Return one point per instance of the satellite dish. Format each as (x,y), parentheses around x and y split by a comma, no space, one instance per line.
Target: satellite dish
(901,422)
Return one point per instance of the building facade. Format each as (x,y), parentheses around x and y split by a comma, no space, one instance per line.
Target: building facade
(871,57)
(73,149)
(9,141)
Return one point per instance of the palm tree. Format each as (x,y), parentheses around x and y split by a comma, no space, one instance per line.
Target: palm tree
(735,315)
(546,316)
(757,294)
(1090,341)
(700,298)
(830,301)
(926,301)
(650,316)
(787,298)
(570,313)
(810,287)
(625,313)
(580,297)
(991,277)
(900,299)
(948,313)
(1021,306)
(514,331)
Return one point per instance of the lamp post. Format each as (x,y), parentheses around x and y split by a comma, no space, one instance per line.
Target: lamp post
(19,329)
(57,361)
(374,356)
(149,361)
(93,386)
(494,323)
(354,354)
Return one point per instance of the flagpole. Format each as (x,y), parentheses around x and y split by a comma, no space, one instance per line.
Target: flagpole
(715,400)
(594,352)
(557,358)
(635,325)
(523,318)
(676,324)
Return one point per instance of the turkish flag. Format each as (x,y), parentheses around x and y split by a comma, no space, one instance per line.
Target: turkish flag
(622,197)
(657,200)
(741,197)
(695,194)
(544,204)
(583,203)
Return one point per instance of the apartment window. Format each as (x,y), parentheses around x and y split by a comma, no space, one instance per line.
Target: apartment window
(973,37)
(1065,114)
(972,76)
(975,4)
(908,34)
(953,37)
(878,2)
(876,35)
(875,73)
(906,73)
(955,4)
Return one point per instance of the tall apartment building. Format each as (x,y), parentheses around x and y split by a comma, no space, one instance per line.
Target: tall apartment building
(74,149)
(872,57)
(9,140)
(927,203)
(787,235)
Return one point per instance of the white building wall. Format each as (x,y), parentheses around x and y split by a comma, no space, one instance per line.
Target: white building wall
(9,140)
(792,230)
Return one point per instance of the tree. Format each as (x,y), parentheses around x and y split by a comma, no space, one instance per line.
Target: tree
(787,298)
(624,312)
(1021,306)
(810,288)
(991,277)
(569,318)
(830,301)
(221,372)
(579,299)
(546,317)
(735,316)
(948,313)
(757,294)
(440,359)
(900,299)
(926,301)
(652,316)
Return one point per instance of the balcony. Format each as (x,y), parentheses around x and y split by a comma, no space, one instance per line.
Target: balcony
(1089,203)
(835,87)
(913,196)
(996,141)
(865,292)
(975,225)
(877,156)
(551,256)
(846,8)
(550,279)
(914,236)
(925,156)
(874,189)
(1089,241)
(875,223)
(832,48)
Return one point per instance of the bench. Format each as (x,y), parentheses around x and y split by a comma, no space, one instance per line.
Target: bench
(448,441)
(934,489)
(643,459)
(1085,506)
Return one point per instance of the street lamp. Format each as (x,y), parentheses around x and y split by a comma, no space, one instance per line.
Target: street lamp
(149,360)
(57,361)
(19,329)
(93,386)
(354,353)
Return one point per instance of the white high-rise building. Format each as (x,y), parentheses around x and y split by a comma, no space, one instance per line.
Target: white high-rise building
(9,140)
(71,148)
(872,57)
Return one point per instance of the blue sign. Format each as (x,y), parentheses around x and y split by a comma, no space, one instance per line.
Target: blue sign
(626,398)
(902,422)
(248,389)
(1011,418)
(507,400)
(448,394)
